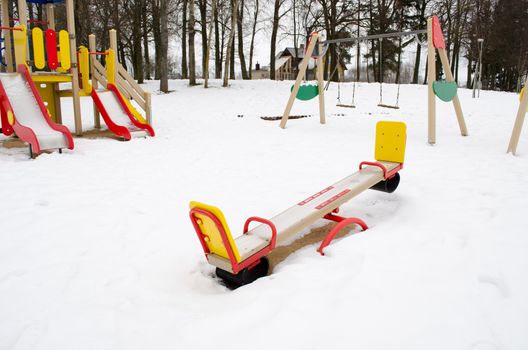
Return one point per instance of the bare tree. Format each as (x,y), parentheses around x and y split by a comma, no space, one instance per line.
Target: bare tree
(192,32)
(230,43)
(164,78)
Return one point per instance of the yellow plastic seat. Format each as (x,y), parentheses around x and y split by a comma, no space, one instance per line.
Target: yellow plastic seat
(390,141)
(212,229)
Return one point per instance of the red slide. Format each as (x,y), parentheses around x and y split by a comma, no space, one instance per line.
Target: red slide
(24,113)
(118,116)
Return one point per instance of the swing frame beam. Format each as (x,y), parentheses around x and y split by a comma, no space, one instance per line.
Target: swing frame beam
(435,40)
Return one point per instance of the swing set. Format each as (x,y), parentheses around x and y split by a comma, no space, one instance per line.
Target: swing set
(445,89)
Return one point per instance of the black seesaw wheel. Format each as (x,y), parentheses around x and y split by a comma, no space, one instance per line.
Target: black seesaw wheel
(245,276)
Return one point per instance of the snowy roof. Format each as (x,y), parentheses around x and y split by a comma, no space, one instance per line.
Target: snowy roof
(290,52)
(281,61)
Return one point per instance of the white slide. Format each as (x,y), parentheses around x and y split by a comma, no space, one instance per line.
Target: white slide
(117,115)
(31,119)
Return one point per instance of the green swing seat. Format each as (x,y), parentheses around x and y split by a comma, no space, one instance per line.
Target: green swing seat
(307,92)
(445,90)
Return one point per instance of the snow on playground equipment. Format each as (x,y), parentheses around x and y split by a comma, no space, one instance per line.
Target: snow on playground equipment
(445,90)
(243,259)
(22,108)
(519,121)
(52,57)
(116,113)
(24,113)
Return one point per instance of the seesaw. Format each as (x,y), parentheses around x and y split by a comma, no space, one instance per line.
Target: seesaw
(243,259)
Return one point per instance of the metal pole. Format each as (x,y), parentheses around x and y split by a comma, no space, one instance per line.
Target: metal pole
(374,36)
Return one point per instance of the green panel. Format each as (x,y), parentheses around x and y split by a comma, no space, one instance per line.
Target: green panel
(445,90)
(307,92)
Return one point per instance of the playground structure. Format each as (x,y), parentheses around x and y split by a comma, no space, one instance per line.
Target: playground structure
(51,59)
(242,260)
(446,89)
(519,121)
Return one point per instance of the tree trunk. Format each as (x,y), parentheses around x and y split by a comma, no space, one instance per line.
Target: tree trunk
(232,61)
(192,32)
(202,5)
(185,74)
(274,31)
(146,53)
(208,47)
(156,29)
(417,59)
(253,32)
(240,33)
(230,43)
(137,39)
(218,49)
(164,67)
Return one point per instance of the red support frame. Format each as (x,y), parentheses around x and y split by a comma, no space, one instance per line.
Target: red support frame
(235,265)
(386,173)
(342,223)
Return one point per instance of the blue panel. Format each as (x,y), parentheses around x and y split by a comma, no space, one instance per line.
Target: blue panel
(45,1)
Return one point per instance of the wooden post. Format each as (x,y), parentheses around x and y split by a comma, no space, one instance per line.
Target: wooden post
(300,75)
(456,102)
(22,9)
(70,18)
(95,85)
(320,83)
(22,20)
(50,16)
(7,36)
(113,46)
(431,76)
(148,107)
(519,121)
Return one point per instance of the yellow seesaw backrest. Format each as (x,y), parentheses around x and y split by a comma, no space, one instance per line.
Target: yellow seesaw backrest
(390,141)
(213,239)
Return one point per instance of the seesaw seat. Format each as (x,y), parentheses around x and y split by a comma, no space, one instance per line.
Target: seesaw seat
(244,252)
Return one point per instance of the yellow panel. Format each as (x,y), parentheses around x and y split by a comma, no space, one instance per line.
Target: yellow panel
(134,111)
(390,141)
(110,66)
(213,239)
(20,40)
(84,65)
(39,78)
(47,92)
(10,118)
(522,94)
(64,53)
(38,48)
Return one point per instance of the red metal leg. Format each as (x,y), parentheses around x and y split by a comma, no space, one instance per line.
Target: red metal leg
(342,223)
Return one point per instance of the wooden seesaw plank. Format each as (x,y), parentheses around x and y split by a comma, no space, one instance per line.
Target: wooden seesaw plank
(305,213)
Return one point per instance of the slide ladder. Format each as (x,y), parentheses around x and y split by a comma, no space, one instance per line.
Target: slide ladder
(117,112)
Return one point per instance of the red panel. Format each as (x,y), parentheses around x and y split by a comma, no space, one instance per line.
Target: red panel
(438,36)
(51,49)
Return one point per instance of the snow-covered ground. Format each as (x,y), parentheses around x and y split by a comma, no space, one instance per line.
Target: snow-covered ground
(97,250)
